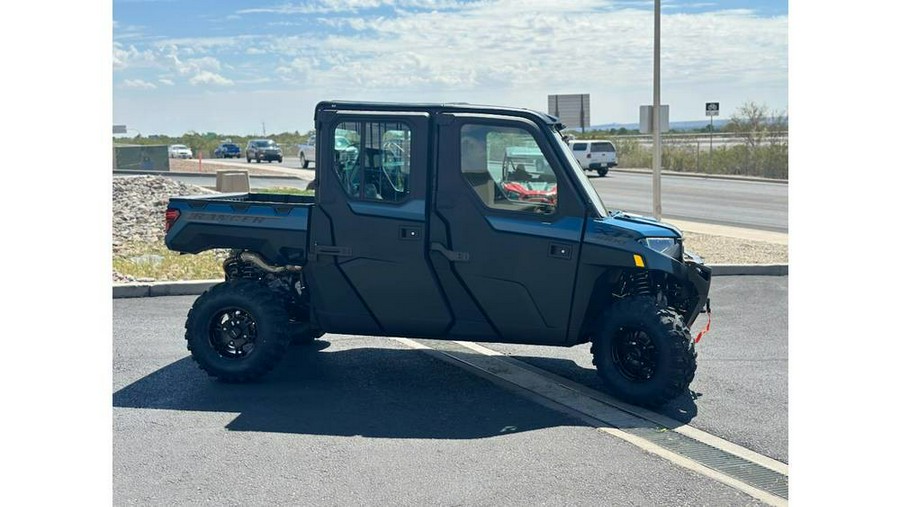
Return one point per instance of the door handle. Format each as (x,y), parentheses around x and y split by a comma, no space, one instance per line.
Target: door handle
(410,232)
(451,255)
(560,250)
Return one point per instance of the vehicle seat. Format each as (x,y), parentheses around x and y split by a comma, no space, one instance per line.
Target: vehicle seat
(520,174)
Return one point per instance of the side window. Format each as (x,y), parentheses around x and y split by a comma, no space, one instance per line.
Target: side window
(506,169)
(602,148)
(372,160)
(579,146)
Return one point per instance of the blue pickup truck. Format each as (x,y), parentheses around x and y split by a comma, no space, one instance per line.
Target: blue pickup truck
(413,231)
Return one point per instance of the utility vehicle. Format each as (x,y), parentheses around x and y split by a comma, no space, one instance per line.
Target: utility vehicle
(412,233)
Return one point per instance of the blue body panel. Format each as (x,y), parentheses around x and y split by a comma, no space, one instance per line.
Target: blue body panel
(275,226)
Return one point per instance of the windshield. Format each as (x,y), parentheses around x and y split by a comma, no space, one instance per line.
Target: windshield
(179,147)
(582,178)
(265,143)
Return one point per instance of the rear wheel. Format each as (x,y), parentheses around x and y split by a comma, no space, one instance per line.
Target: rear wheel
(644,354)
(237,330)
(303,162)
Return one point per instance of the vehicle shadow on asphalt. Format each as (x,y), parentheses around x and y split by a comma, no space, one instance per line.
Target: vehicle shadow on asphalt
(682,409)
(371,392)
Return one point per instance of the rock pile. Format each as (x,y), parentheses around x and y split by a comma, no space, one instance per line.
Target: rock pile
(139,210)
(139,207)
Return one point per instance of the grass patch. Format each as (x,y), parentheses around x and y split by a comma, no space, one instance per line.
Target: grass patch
(153,261)
(284,190)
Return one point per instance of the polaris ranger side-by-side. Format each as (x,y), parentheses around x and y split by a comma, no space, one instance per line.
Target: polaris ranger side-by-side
(452,222)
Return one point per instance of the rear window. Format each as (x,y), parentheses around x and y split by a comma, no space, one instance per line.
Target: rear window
(602,147)
(579,146)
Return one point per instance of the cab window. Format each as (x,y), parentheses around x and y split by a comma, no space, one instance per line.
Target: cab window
(372,160)
(506,169)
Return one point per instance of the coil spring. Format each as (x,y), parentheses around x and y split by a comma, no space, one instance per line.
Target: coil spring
(640,284)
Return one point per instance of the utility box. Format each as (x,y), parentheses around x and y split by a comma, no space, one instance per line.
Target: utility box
(232,181)
(135,157)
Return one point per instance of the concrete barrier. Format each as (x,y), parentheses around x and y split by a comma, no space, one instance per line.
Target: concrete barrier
(232,180)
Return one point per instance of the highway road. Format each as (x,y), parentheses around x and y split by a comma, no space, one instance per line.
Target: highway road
(750,204)
(365,420)
(738,203)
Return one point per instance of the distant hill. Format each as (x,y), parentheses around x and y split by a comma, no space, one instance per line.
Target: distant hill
(673,125)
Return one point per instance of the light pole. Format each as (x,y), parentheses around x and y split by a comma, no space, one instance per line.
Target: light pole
(657,144)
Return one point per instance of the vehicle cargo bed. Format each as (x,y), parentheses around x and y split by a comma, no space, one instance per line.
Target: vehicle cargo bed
(274,225)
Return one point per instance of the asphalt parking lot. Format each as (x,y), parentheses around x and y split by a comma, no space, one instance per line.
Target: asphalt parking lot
(364,420)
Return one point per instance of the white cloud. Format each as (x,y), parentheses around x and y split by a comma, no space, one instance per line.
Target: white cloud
(511,52)
(131,57)
(167,82)
(207,77)
(138,84)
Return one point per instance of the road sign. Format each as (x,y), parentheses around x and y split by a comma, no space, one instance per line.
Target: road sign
(573,110)
(119,129)
(712,109)
(646,123)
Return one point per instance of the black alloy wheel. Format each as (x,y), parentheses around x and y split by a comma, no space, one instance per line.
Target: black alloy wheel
(232,333)
(634,354)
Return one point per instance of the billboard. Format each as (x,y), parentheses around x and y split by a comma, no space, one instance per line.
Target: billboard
(573,110)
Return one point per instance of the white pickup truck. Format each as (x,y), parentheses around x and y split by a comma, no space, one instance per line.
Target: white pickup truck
(307,151)
(598,155)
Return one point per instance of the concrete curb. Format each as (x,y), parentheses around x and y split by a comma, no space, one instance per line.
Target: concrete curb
(701,175)
(122,172)
(749,269)
(153,289)
(196,287)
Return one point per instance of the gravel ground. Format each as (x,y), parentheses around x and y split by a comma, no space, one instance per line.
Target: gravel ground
(139,204)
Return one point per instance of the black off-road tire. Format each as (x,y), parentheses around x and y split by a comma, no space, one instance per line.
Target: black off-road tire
(644,354)
(245,301)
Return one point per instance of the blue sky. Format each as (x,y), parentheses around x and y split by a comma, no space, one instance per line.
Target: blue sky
(230,66)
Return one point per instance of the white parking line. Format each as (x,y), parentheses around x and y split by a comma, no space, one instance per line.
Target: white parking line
(606,414)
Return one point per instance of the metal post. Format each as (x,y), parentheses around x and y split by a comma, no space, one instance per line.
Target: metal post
(710,143)
(657,142)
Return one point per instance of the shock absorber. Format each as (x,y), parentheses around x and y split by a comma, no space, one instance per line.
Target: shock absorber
(640,283)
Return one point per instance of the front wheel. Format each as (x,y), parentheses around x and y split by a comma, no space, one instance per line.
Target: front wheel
(644,354)
(303,162)
(237,330)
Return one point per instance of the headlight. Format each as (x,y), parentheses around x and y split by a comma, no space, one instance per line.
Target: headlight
(665,246)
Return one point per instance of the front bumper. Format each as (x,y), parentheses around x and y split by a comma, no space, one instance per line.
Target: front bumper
(700,277)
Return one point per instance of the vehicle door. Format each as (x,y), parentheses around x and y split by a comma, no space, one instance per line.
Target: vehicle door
(368,268)
(510,239)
